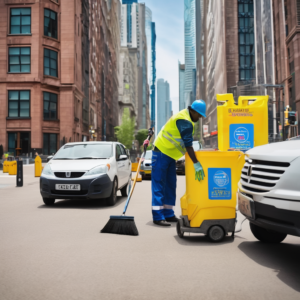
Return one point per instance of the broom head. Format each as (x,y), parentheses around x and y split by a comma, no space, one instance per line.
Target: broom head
(120,225)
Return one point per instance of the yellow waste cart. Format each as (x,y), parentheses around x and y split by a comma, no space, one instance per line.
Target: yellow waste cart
(209,206)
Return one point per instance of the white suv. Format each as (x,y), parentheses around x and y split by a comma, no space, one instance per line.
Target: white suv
(87,170)
(269,190)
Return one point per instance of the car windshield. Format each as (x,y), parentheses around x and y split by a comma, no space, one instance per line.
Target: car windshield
(84,151)
(148,155)
(196,146)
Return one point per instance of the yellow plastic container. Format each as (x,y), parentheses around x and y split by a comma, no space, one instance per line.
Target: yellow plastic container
(213,198)
(12,168)
(242,126)
(5,166)
(38,168)
(134,167)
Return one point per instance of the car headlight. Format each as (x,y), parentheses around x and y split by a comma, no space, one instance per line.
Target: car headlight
(47,170)
(98,170)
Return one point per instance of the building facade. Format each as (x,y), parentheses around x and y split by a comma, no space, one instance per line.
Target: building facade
(59,63)
(128,82)
(235,53)
(181,75)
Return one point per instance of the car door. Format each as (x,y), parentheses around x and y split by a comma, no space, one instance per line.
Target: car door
(127,162)
(120,166)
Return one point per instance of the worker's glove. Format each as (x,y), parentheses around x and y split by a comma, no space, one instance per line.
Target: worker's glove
(199,173)
(146,143)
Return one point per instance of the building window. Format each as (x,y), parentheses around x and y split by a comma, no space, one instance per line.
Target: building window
(50,106)
(50,23)
(20,20)
(19,104)
(49,143)
(50,62)
(246,40)
(19,60)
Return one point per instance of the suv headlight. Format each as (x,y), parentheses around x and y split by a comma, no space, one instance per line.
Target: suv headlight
(98,170)
(47,170)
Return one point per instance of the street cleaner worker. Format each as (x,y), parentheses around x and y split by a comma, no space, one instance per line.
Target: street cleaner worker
(174,139)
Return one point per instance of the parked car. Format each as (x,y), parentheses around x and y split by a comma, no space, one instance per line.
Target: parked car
(180,163)
(86,170)
(269,191)
(146,165)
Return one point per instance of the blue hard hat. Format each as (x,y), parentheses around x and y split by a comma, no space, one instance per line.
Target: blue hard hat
(200,107)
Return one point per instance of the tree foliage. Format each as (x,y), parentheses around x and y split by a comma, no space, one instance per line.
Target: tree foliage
(141,136)
(125,132)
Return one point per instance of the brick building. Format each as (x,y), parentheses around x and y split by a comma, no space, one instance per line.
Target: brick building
(287,50)
(52,86)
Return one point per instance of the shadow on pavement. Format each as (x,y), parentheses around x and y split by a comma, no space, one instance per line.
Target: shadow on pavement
(84,204)
(150,223)
(200,240)
(284,259)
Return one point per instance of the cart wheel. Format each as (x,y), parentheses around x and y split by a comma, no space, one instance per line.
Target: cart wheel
(216,233)
(178,228)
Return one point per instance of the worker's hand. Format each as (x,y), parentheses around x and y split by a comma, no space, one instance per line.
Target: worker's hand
(146,142)
(199,173)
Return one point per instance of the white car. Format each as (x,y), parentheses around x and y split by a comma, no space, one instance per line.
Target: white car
(86,170)
(269,191)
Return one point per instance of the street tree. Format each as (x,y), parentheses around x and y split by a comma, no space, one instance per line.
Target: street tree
(125,132)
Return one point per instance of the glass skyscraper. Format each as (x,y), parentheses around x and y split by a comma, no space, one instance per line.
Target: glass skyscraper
(190,50)
(164,104)
(151,49)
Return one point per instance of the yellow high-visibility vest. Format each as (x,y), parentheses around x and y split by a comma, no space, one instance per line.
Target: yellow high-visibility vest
(169,140)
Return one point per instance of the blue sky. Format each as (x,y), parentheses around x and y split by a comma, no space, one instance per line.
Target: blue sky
(168,16)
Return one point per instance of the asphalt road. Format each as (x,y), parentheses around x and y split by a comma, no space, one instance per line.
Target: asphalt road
(58,253)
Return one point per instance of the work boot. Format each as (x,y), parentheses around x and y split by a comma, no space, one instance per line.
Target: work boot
(162,223)
(172,219)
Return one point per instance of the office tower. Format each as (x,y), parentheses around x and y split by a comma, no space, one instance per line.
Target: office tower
(151,49)
(164,104)
(181,75)
(190,50)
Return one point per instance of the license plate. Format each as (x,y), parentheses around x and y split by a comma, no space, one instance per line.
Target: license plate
(147,172)
(67,187)
(245,206)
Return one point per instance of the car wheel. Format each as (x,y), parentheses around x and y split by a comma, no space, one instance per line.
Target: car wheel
(112,199)
(125,189)
(49,201)
(267,236)
(143,177)
(216,234)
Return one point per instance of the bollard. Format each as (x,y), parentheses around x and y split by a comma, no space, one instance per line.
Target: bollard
(20,173)
(5,166)
(38,167)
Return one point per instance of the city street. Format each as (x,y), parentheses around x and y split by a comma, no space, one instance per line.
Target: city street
(58,252)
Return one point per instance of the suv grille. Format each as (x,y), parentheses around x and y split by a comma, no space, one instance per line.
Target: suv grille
(261,176)
(72,175)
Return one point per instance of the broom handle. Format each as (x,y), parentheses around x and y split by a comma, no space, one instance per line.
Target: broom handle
(137,173)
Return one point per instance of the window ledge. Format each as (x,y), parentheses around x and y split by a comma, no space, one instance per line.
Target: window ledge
(19,34)
(51,38)
(52,77)
(18,118)
(51,120)
(18,72)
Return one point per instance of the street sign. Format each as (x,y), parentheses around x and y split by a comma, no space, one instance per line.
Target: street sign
(205,129)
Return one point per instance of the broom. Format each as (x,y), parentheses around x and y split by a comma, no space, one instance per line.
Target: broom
(123,224)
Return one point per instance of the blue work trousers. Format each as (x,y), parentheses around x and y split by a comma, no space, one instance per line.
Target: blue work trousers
(163,186)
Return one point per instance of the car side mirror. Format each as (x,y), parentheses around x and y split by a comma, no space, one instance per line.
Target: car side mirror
(123,157)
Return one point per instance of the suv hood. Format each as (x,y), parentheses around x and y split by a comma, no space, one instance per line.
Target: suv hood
(76,165)
(282,151)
